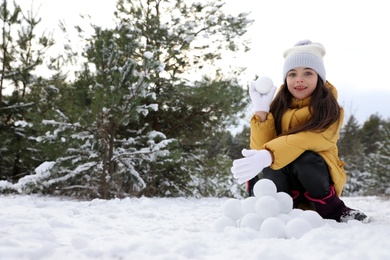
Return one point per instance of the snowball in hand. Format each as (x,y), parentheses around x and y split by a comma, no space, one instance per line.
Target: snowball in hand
(273,228)
(233,209)
(263,85)
(264,187)
(267,206)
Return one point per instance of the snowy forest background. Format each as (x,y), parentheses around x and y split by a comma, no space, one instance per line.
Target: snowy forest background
(148,110)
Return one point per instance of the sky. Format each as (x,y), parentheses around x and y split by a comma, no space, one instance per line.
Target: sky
(43,228)
(353,32)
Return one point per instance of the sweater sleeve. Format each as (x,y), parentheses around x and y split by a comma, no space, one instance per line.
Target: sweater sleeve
(261,132)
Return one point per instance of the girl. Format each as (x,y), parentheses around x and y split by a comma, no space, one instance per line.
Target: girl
(294,137)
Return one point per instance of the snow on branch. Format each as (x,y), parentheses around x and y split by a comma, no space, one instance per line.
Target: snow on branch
(41,172)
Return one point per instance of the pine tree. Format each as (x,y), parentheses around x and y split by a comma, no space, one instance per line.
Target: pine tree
(191,112)
(136,121)
(105,143)
(351,151)
(371,134)
(239,142)
(379,165)
(21,52)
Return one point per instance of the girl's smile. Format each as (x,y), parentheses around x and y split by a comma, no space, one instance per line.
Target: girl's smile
(301,82)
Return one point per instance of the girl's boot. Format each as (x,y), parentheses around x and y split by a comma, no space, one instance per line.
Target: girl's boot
(300,201)
(331,207)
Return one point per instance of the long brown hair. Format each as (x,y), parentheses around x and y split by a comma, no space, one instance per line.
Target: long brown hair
(323,107)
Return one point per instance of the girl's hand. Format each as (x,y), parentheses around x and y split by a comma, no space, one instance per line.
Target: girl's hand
(261,102)
(254,162)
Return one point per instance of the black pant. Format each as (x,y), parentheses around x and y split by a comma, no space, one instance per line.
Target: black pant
(309,172)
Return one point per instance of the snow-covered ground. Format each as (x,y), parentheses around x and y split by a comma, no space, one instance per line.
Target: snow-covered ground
(37,227)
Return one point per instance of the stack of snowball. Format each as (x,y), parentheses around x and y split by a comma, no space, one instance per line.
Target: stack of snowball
(269,212)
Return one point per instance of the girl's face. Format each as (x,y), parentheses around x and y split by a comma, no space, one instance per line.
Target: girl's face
(301,82)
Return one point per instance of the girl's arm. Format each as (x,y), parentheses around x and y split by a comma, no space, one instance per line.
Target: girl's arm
(262,131)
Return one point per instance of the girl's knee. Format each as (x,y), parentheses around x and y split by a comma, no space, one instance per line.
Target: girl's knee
(309,157)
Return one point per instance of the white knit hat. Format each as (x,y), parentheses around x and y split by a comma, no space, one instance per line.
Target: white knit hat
(305,54)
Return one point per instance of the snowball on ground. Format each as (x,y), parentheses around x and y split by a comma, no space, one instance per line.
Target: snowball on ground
(273,228)
(224,222)
(312,217)
(284,217)
(267,206)
(297,227)
(295,212)
(264,187)
(251,220)
(285,202)
(233,209)
(248,205)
